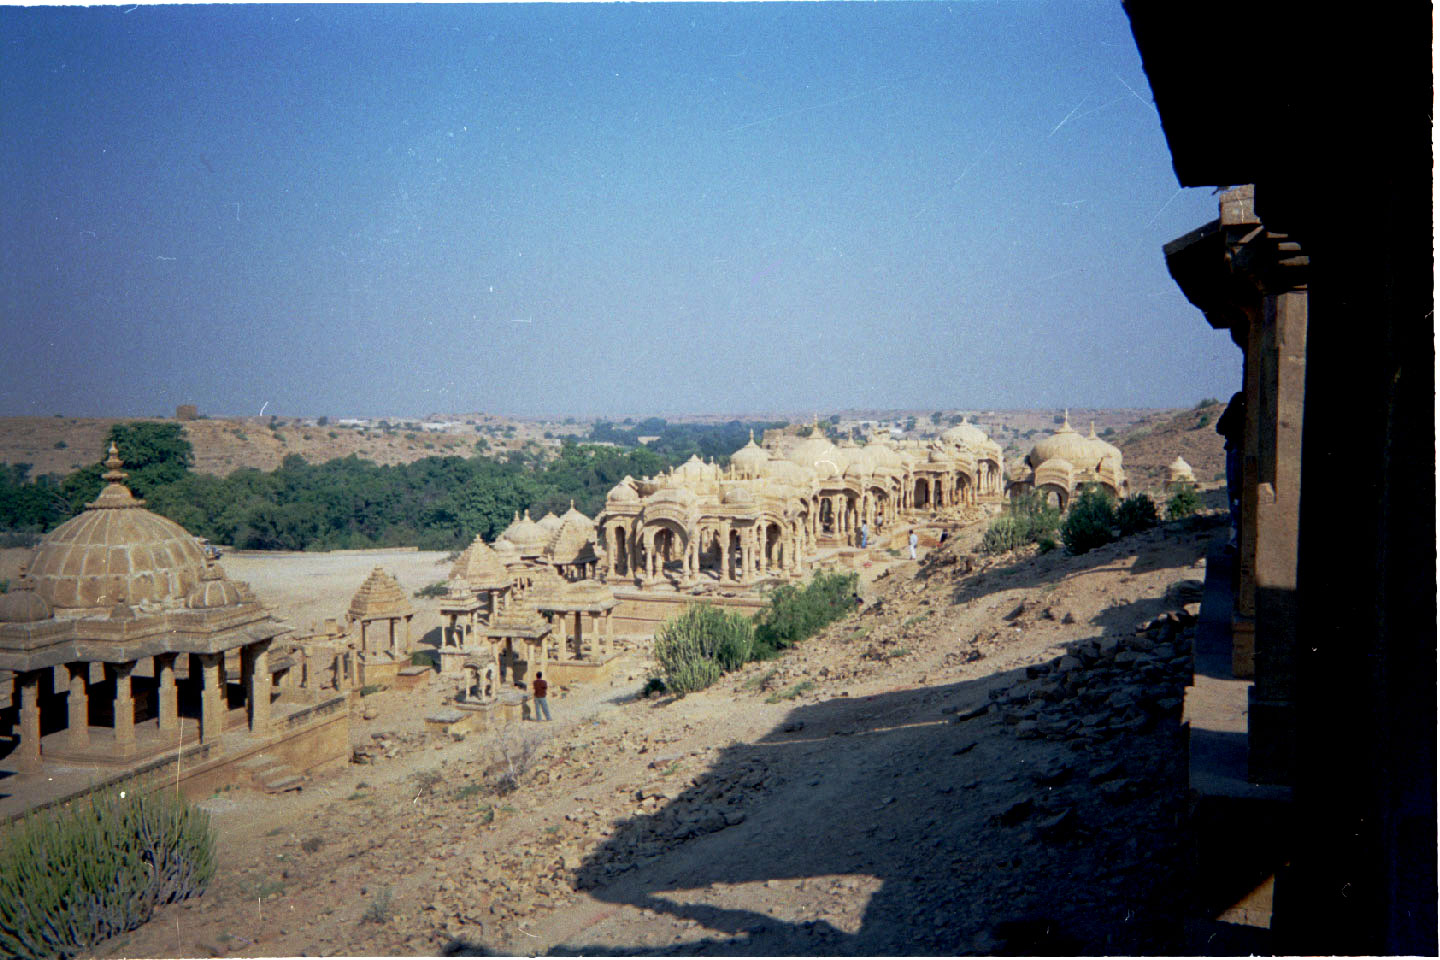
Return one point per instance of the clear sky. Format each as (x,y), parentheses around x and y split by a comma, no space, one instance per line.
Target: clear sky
(589,209)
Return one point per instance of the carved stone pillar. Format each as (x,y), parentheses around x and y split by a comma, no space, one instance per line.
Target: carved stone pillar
(166,699)
(259,688)
(27,752)
(124,708)
(212,702)
(77,706)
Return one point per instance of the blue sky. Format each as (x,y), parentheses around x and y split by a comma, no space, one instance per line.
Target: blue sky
(589,209)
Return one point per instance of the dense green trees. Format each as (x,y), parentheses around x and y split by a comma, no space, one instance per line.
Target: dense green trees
(436,503)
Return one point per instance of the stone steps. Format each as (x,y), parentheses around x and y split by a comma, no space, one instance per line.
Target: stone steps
(269,775)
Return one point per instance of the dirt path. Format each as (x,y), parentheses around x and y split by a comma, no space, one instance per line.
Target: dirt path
(927,776)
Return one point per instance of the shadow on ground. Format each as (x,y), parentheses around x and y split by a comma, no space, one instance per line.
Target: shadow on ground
(966,840)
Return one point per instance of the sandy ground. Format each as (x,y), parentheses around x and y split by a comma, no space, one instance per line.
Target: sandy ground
(306,588)
(928,776)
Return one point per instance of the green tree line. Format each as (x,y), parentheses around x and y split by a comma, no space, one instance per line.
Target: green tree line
(438,503)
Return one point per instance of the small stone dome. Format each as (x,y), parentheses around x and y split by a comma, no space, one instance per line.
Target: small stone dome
(738,497)
(1180,470)
(116,552)
(749,460)
(209,594)
(23,606)
(526,535)
(549,523)
(673,495)
(965,434)
(623,492)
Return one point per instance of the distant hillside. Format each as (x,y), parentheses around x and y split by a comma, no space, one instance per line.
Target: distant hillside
(59,445)
(1150,445)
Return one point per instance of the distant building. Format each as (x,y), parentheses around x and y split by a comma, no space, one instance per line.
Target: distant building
(187,411)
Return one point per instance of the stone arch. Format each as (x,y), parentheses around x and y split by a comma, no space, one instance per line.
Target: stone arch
(1054,494)
(923,495)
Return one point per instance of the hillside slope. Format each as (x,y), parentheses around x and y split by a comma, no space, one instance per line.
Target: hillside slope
(981,761)
(1154,442)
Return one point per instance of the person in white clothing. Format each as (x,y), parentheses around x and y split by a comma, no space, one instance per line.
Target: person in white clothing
(914,542)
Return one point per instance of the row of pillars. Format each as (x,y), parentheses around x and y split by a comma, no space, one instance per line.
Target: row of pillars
(210,667)
(460,630)
(601,631)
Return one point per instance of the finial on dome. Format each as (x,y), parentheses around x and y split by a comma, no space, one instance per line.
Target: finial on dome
(1067,419)
(527,513)
(1092,430)
(113,464)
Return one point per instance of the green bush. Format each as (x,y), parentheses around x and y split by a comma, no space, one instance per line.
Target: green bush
(1027,519)
(74,877)
(436,589)
(795,613)
(1090,522)
(703,642)
(1135,514)
(1183,503)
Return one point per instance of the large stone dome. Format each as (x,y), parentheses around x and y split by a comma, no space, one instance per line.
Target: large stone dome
(965,433)
(116,551)
(1064,444)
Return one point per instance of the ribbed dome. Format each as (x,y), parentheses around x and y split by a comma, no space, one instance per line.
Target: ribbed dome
(116,552)
(214,593)
(23,606)
(549,523)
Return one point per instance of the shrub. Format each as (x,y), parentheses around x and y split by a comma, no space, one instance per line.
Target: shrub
(1135,514)
(1090,521)
(1183,503)
(795,613)
(379,910)
(422,658)
(703,642)
(436,589)
(1028,518)
(72,878)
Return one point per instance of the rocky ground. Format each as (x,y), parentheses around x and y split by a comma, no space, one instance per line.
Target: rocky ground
(984,759)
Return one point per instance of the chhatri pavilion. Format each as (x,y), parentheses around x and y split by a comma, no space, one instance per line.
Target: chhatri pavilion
(1059,464)
(768,514)
(123,642)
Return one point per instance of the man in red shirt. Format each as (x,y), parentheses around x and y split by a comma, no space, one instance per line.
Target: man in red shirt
(540,688)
